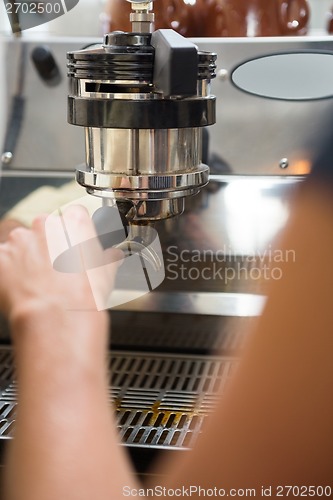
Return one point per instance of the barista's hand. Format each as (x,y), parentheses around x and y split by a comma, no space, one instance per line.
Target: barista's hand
(6,227)
(60,342)
(30,284)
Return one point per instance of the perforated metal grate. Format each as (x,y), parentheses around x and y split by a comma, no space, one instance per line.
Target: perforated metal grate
(160,400)
(6,364)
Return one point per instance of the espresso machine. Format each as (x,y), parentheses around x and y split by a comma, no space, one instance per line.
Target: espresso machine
(143,100)
(199,208)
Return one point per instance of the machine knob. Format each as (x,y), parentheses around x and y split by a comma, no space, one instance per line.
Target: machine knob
(46,65)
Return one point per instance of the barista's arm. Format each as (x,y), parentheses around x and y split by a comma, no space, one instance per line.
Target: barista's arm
(65,443)
(274,425)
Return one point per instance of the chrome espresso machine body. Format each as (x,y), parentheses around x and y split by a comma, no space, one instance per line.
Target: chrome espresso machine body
(143,99)
(141,145)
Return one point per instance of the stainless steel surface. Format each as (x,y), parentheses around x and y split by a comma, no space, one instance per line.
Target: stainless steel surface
(219,256)
(208,303)
(141,18)
(251,134)
(154,169)
(198,334)
(45,141)
(36,174)
(142,152)
(143,185)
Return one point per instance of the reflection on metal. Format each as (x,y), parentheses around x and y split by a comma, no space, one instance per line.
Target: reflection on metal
(224,304)
(302,166)
(265,215)
(300,76)
(232,219)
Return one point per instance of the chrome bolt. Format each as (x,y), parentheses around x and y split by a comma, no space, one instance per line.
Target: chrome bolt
(284,163)
(6,157)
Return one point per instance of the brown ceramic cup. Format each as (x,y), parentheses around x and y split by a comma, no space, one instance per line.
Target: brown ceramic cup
(204,18)
(256,17)
(330,22)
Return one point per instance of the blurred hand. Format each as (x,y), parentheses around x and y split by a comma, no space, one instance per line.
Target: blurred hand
(30,281)
(6,227)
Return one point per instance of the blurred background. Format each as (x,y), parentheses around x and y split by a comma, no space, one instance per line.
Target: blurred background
(88,18)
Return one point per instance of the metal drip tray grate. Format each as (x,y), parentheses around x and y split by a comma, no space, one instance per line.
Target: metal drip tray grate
(160,400)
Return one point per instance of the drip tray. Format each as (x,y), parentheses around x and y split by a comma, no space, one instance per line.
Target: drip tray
(161,400)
